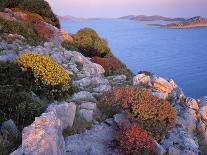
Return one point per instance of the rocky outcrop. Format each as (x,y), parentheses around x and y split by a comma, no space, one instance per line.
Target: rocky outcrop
(45,30)
(92,142)
(44,136)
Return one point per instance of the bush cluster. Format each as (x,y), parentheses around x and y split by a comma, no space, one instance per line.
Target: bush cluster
(108,105)
(21,28)
(40,7)
(154,115)
(136,141)
(112,66)
(88,42)
(50,78)
(16,101)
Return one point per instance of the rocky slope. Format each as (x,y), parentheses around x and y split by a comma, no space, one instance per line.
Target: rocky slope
(44,136)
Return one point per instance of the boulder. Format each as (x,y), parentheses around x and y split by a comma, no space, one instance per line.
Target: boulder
(88,105)
(159,150)
(160,94)
(192,103)
(102,88)
(44,136)
(9,129)
(93,69)
(142,79)
(179,142)
(8,57)
(83,95)
(92,142)
(64,112)
(162,84)
(120,78)
(203,108)
(86,114)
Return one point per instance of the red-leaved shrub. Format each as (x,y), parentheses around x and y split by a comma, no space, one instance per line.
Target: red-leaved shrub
(135,141)
(154,115)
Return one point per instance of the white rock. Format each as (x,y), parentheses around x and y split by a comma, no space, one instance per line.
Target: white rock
(160,94)
(162,84)
(159,149)
(44,136)
(86,114)
(142,79)
(8,57)
(64,112)
(120,78)
(93,69)
(83,95)
(92,142)
(192,103)
(58,57)
(102,88)
(88,105)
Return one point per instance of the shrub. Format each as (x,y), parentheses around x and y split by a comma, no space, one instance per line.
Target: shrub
(154,115)
(135,141)
(108,106)
(50,78)
(21,28)
(89,43)
(16,101)
(40,7)
(112,66)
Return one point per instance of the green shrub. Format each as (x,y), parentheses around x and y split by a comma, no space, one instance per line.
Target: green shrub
(16,101)
(89,43)
(40,7)
(21,28)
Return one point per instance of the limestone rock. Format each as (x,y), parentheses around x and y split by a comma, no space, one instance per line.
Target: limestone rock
(162,84)
(160,94)
(178,142)
(192,103)
(8,57)
(86,114)
(92,142)
(83,95)
(44,136)
(142,79)
(102,88)
(64,112)
(88,105)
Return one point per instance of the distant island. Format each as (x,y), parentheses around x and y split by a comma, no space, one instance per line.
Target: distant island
(150,18)
(190,23)
(68,17)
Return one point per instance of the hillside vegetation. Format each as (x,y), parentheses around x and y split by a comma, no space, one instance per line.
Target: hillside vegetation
(39,7)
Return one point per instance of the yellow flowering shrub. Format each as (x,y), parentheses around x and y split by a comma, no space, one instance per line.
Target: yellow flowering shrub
(47,73)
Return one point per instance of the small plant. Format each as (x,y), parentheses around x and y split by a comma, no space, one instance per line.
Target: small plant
(154,115)
(112,65)
(89,43)
(21,28)
(108,105)
(135,141)
(50,79)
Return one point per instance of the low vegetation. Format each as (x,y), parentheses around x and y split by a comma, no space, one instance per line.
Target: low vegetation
(154,115)
(90,44)
(21,28)
(49,79)
(39,7)
(135,141)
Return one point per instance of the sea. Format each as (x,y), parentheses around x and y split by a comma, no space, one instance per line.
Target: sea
(178,54)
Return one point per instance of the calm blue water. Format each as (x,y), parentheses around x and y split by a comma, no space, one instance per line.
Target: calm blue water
(180,54)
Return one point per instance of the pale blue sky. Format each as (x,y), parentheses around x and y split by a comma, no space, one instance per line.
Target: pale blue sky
(117,8)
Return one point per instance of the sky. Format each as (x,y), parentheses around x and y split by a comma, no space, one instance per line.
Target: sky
(118,8)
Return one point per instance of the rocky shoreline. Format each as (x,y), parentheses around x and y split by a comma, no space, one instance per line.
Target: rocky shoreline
(44,136)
